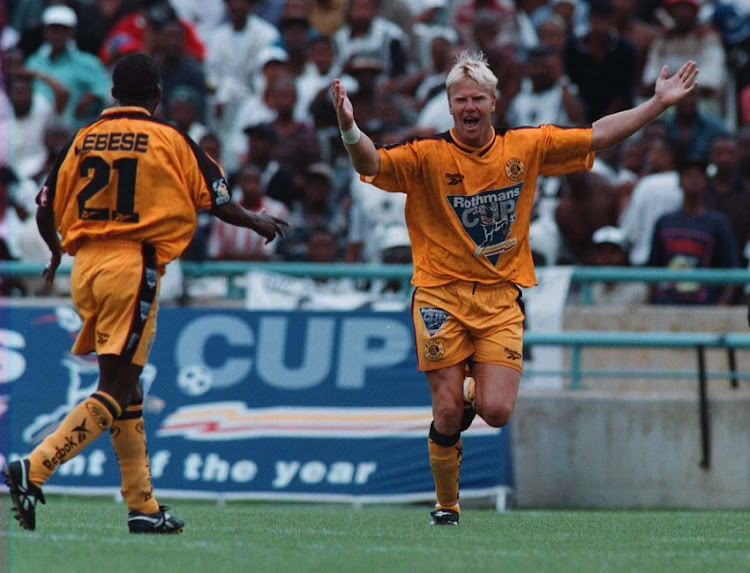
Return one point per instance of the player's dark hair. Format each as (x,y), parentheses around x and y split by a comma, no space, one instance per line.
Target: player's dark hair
(135,79)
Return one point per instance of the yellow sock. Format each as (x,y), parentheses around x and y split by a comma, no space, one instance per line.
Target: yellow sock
(79,428)
(129,440)
(445,462)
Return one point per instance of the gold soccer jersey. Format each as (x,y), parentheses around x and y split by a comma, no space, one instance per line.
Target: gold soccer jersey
(468,210)
(129,176)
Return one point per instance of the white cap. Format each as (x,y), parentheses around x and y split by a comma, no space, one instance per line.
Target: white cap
(59,15)
(610,234)
(272,54)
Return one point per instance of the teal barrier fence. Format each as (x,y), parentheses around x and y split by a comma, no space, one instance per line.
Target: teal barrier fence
(583,276)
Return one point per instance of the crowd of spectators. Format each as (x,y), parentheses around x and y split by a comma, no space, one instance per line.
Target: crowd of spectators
(249,81)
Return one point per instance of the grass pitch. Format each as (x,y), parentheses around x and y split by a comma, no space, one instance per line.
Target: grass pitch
(84,535)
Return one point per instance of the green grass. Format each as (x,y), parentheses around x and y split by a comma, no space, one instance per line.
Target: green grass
(84,535)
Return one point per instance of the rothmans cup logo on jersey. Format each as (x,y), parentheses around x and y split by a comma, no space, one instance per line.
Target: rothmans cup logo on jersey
(487,218)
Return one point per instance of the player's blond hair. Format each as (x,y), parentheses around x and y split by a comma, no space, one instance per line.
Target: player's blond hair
(473,65)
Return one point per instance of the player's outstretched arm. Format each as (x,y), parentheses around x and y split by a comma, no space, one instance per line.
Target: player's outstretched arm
(361,149)
(262,223)
(612,129)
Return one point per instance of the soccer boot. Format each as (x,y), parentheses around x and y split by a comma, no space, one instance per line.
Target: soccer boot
(23,493)
(444,517)
(469,412)
(160,522)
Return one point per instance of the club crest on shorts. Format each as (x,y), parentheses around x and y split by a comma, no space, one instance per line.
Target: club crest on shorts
(434,349)
(433,318)
(515,169)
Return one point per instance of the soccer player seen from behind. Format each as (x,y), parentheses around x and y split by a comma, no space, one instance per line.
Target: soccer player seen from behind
(469,194)
(124,197)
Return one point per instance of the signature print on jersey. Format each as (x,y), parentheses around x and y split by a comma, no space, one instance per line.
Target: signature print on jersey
(487,218)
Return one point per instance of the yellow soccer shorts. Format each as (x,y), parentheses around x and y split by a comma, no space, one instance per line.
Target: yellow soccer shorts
(114,284)
(465,319)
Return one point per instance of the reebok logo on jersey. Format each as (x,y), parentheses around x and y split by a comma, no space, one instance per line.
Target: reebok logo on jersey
(454,178)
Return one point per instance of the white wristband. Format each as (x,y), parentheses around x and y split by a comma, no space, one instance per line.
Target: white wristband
(351,135)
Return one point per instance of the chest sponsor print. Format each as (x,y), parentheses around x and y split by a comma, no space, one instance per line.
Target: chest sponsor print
(487,218)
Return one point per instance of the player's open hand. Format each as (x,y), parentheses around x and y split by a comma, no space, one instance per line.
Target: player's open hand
(270,227)
(670,90)
(342,105)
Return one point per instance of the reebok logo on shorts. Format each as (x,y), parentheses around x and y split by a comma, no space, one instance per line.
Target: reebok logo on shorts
(512,354)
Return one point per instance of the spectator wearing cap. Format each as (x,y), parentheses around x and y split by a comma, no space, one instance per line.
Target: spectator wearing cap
(232,59)
(692,237)
(602,64)
(178,69)
(81,73)
(317,208)
(611,250)
(366,33)
(327,16)
(140,24)
(687,38)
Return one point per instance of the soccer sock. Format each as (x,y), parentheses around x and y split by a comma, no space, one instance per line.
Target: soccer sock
(129,440)
(445,461)
(79,428)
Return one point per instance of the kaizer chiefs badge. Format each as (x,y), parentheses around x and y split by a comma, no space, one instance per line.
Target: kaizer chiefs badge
(515,169)
(434,350)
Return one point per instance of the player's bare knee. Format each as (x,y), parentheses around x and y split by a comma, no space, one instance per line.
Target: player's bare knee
(496,416)
(448,415)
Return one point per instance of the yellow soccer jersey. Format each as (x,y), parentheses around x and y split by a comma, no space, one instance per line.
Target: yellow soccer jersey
(468,210)
(130,176)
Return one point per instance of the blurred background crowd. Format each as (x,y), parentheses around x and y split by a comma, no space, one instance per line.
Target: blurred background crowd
(249,81)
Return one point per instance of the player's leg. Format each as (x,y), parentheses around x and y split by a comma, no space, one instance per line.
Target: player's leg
(128,435)
(498,353)
(444,443)
(79,428)
(443,345)
(496,390)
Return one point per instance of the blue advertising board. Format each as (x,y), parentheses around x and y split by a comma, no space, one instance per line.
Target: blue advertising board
(249,405)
